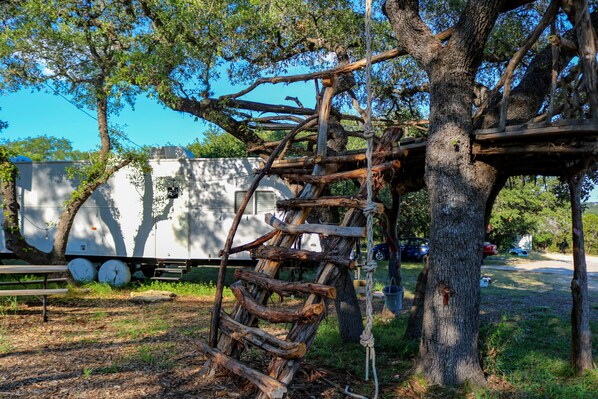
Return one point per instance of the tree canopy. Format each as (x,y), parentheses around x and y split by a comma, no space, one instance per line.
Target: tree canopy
(44,148)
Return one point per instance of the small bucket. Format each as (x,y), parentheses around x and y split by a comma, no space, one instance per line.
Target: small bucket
(393,298)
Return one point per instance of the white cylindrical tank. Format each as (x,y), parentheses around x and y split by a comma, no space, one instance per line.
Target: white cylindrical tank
(114,272)
(82,270)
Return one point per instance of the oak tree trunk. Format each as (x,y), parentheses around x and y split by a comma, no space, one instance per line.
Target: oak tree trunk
(459,190)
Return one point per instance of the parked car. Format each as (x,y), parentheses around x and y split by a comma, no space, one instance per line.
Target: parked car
(412,248)
(490,249)
(415,248)
(518,251)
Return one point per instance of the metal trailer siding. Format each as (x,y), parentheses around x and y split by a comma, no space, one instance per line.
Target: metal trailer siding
(183,209)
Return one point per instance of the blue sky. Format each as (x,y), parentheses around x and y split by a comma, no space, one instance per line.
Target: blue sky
(31,114)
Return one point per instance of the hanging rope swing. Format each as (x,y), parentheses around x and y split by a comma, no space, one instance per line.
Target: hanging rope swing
(367,337)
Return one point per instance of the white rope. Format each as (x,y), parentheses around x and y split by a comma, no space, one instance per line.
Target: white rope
(367,338)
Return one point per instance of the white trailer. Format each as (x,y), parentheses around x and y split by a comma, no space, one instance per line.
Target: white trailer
(181,211)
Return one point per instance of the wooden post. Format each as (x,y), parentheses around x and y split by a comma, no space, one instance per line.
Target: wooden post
(581,350)
(45,300)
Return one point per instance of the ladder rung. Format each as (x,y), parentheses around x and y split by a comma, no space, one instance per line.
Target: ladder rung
(311,228)
(261,339)
(308,314)
(274,389)
(285,254)
(285,288)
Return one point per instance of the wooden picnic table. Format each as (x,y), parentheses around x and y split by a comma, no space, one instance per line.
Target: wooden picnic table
(24,270)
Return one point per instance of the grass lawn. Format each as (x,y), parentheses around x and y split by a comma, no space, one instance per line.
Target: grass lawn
(100,344)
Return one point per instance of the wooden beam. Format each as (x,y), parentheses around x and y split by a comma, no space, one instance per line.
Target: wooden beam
(307,314)
(547,148)
(261,339)
(340,201)
(285,254)
(285,288)
(255,243)
(524,131)
(272,388)
(325,229)
(352,174)
(348,157)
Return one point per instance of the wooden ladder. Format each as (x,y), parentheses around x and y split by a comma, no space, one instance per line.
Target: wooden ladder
(238,329)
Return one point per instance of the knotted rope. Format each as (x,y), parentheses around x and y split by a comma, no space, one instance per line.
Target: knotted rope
(367,338)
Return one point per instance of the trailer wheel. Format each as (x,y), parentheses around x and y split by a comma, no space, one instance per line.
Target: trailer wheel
(115,273)
(82,270)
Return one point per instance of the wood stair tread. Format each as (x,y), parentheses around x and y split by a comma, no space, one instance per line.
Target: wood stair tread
(165,278)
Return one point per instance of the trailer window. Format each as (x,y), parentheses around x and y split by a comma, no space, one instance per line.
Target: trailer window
(265,202)
(239,196)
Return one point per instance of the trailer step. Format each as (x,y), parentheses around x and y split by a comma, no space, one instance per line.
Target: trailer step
(170,270)
(166,278)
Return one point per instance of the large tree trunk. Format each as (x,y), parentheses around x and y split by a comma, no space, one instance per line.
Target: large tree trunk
(581,335)
(459,190)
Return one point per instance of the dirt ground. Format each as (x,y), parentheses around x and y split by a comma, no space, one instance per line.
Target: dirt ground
(112,348)
(109,347)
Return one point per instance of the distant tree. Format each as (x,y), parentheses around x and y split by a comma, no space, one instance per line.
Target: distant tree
(527,205)
(590,227)
(45,148)
(415,214)
(217,144)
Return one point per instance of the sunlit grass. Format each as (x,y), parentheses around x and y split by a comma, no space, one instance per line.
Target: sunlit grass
(141,327)
(183,288)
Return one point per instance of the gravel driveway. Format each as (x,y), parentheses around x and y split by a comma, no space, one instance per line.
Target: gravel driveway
(551,263)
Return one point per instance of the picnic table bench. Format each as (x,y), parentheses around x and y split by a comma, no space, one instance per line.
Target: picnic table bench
(44,270)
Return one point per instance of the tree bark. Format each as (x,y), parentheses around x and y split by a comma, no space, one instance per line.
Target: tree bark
(581,335)
(458,193)
(392,238)
(458,189)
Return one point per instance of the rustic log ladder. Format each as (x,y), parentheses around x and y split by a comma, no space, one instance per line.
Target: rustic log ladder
(255,287)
